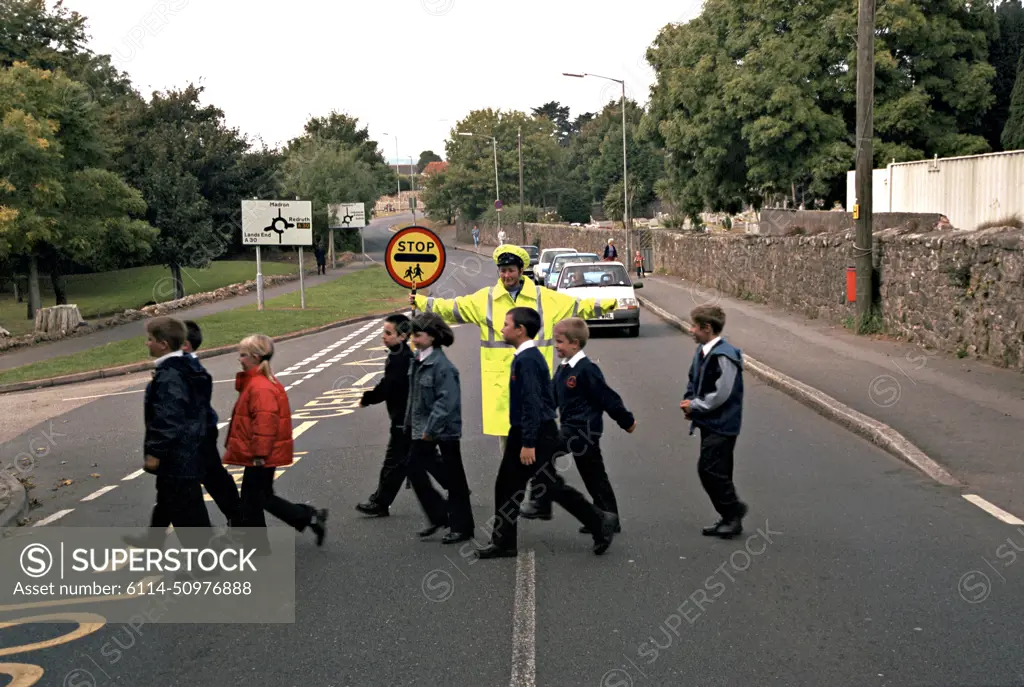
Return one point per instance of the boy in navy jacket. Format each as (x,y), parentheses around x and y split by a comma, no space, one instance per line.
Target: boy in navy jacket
(583,397)
(219,483)
(532,442)
(714,403)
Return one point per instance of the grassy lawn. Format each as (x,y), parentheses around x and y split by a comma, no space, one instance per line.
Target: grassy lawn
(105,293)
(361,293)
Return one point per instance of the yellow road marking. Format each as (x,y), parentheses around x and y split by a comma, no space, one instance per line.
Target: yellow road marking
(87,624)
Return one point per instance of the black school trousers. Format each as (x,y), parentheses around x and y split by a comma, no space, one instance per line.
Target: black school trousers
(586,454)
(455,512)
(179,502)
(396,468)
(714,467)
(219,483)
(510,486)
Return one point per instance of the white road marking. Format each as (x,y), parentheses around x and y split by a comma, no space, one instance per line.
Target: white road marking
(53,518)
(301,429)
(524,623)
(222,425)
(100,492)
(137,473)
(321,353)
(991,509)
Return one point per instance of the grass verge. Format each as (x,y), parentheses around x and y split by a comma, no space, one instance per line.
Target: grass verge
(365,292)
(106,293)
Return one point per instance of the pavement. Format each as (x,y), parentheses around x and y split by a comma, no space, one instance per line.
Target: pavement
(855,569)
(377,236)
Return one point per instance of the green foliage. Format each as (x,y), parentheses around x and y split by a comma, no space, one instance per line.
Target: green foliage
(1006,44)
(1013,134)
(426,157)
(754,98)
(186,162)
(346,131)
(438,198)
(574,204)
(327,171)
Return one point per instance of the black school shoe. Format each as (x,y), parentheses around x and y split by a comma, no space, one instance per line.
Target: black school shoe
(603,540)
(494,551)
(530,510)
(727,528)
(373,509)
(319,525)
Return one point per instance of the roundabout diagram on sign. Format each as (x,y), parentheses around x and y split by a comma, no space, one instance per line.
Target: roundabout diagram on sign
(282,220)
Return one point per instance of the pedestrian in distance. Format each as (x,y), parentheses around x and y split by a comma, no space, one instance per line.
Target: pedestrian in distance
(531,445)
(260,440)
(321,259)
(610,253)
(714,403)
(583,397)
(175,411)
(638,262)
(393,390)
(217,481)
(433,420)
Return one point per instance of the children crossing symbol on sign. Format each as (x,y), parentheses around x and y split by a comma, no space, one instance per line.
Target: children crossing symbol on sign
(413,276)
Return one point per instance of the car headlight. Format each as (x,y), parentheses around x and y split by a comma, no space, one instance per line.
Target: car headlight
(628,303)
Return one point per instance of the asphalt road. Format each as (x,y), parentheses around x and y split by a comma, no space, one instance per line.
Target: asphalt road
(855,569)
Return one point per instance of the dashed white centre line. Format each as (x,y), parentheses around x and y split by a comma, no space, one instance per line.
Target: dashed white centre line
(53,518)
(301,429)
(524,623)
(100,492)
(137,473)
(993,510)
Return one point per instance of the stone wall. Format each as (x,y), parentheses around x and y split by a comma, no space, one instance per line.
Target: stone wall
(960,292)
(786,222)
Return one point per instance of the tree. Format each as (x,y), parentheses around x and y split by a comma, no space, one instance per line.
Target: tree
(346,130)
(1006,44)
(186,162)
(1013,134)
(426,157)
(327,171)
(438,197)
(56,202)
(754,99)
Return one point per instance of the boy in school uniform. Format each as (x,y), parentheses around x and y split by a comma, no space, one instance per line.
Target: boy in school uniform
(393,391)
(583,397)
(175,410)
(219,483)
(532,442)
(714,403)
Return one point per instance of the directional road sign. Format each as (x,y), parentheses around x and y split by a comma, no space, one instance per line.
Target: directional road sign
(346,216)
(497,205)
(277,223)
(415,257)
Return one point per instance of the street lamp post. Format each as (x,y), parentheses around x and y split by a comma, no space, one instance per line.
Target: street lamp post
(398,175)
(497,192)
(625,170)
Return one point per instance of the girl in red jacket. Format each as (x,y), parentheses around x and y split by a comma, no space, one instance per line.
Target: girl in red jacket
(260,438)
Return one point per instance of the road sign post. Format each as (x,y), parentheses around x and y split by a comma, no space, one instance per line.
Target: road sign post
(347,216)
(277,223)
(415,258)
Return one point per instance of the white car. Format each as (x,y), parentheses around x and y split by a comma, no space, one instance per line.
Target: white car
(604,280)
(540,271)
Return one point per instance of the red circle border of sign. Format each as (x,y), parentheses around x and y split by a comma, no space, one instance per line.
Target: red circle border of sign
(402,282)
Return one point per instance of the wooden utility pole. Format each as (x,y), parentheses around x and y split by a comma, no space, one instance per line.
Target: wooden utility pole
(522,223)
(865,164)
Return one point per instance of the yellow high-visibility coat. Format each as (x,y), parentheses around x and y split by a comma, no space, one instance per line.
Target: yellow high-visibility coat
(487,309)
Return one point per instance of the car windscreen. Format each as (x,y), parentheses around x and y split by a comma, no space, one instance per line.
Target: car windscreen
(574,276)
(548,255)
(562,260)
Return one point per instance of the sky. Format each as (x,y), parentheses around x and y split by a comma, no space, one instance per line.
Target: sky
(405,68)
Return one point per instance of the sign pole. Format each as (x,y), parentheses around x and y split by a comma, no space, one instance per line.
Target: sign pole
(302,281)
(330,239)
(259,280)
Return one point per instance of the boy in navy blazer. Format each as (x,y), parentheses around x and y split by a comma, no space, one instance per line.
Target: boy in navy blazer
(583,397)
(714,404)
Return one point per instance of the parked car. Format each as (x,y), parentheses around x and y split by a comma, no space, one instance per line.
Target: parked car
(561,261)
(534,253)
(600,280)
(544,261)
